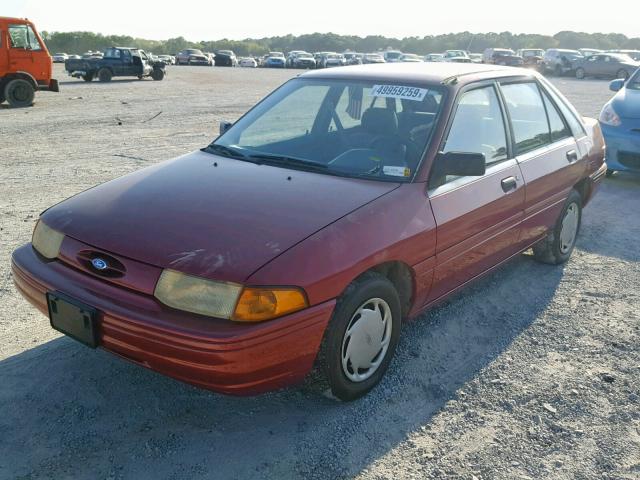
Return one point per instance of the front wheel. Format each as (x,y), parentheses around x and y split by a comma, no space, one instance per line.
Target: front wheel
(558,245)
(157,74)
(361,337)
(580,73)
(19,93)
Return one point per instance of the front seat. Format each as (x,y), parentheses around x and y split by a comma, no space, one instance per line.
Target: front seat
(381,128)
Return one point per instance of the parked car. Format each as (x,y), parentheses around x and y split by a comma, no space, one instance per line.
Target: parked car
(410,58)
(192,56)
(353,58)
(372,58)
(620,121)
(586,52)
(333,60)
(319,58)
(476,57)
(560,61)
(502,56)
(226,58)
(391,56)
(635,54)
(303,60)
(327,235)
(116,62)
(449,54)
(25,63)
(434,57)
(248,62)
(60,57)
(291,56)
(167,59)
(531,57)
(275,60)
(608,65)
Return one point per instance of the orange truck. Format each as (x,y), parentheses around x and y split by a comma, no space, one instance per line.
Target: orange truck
(25,63)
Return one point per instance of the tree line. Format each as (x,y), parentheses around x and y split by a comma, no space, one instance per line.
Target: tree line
(80,42)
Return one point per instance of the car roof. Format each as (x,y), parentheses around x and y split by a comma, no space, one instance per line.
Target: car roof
(419,72)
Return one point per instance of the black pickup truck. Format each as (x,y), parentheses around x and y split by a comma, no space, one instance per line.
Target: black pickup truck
(116,62)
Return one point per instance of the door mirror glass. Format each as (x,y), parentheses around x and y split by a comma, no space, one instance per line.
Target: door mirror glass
(460,164)
(224,126)
(616,85)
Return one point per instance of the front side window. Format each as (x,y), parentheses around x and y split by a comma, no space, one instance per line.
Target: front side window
(23,36)
(528,116)
(478,126)
(341,127)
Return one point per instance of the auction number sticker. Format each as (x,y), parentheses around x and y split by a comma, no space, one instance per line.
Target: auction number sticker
(398,91)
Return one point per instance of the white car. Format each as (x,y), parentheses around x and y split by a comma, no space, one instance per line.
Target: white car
(410,58)
(434,57)
(334,60)
(248,62)
(60,57)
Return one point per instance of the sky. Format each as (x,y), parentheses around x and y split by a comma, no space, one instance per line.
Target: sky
(211,20)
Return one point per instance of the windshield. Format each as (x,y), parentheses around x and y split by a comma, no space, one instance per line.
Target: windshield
(634,81)
(305,55)
(276,54)
(393,54)
(456,53)
(338,127)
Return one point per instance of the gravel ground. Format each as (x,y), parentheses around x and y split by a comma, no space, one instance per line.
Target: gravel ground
(530,373)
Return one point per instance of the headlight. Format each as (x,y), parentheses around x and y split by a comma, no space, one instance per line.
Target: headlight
(608,116)
(226,300)
(46,240)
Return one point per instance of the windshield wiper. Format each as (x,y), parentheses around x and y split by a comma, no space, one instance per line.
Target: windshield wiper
(224,150)
(285,161)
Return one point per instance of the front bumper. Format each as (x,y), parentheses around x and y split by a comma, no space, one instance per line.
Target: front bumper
(623,146)
(219,355)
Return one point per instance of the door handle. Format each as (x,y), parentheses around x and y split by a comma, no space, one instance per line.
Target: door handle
(508,184)
(572,156)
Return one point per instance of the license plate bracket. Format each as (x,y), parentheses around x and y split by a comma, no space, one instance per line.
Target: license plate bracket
(73,318)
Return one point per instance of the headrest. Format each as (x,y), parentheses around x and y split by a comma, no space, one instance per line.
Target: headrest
(380,121)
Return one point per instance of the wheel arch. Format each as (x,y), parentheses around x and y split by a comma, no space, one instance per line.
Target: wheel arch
(402,277)
(583,187)
(20,74)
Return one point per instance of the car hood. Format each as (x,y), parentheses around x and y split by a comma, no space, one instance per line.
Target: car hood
(209,216)
(626,103)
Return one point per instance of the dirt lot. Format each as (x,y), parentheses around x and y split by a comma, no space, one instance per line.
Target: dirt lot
(531,373)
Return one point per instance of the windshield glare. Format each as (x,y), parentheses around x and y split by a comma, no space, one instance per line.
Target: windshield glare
(342,127)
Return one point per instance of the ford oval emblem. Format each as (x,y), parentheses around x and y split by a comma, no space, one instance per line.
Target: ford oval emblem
(99,264)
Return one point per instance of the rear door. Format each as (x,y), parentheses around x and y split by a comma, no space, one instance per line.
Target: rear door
(478,218)
(546,152)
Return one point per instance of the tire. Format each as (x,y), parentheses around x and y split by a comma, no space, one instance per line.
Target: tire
(104,75)
(19,93)
(157,74)
(556,248)
(88,77)
(610,173)
(580,73)
(373,293)
(622,73)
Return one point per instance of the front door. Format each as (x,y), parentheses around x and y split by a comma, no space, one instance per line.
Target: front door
(478,218)
(20,53)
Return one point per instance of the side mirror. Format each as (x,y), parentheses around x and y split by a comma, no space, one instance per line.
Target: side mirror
(224,126)
(616,85)
(460,164)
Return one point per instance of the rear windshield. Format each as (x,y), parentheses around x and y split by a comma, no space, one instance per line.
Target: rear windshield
(348,128)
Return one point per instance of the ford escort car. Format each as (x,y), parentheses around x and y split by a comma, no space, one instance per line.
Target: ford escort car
(345,202)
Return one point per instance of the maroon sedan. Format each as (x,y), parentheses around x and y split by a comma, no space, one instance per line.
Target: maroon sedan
(345,202)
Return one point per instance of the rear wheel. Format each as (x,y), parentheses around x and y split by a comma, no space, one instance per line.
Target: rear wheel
(558,245)
(19,93)
(580,73)
(157,74)
(622,73)
(361,337)
(104,75)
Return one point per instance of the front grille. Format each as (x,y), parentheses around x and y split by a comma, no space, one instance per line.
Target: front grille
(629,159)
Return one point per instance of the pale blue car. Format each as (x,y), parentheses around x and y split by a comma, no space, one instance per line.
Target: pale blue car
(620,122)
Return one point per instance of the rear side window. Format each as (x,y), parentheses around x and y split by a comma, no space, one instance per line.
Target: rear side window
(528,116)
(478,126)
(569,113)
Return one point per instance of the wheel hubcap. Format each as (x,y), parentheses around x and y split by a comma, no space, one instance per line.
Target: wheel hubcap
(366,340)
(21,93)
(569,228)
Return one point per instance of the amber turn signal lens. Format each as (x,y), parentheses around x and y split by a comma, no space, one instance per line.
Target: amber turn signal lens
(259,304)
